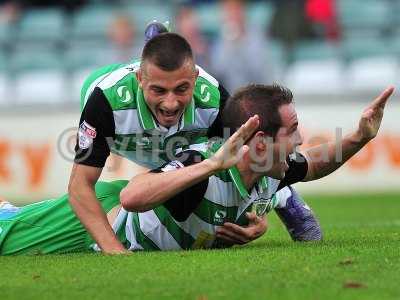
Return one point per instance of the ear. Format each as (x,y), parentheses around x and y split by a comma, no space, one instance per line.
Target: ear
(139,77)
(197,72)
(260,142)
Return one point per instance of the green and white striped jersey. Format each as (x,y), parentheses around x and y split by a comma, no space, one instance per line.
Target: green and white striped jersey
(138,136)
(225,200)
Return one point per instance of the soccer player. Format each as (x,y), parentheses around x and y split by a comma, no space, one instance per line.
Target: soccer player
(183,204)
(144,111)
(210,185)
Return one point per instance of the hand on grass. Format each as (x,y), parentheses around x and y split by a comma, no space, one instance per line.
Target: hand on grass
(232,234)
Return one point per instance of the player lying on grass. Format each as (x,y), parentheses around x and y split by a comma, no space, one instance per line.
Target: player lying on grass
(142,111)
(183,204)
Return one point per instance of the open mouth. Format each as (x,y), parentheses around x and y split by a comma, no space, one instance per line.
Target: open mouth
(169,113)
(169,116)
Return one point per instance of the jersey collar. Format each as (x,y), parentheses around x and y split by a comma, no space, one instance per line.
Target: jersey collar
(237,180)
(146,118)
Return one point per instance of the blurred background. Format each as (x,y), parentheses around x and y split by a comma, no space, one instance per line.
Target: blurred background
(335,55)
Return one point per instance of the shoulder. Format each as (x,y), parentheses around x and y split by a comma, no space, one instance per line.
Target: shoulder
(206,92)
(118,84)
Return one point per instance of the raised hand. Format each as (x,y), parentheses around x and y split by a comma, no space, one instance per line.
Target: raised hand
(371,117)
(233,149)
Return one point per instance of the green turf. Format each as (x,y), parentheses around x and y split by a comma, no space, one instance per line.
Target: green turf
(359,259)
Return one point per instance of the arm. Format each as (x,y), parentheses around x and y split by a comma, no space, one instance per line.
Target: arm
(92,150)
(82,198)
(322,159)
(146,191)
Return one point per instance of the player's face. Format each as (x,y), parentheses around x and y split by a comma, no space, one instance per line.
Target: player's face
(167,93)
(287,139)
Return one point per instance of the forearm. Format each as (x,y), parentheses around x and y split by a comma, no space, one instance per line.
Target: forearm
(145,191)
(326,158)
(92,216)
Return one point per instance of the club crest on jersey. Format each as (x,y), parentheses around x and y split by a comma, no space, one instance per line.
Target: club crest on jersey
(86,134)
(261,206)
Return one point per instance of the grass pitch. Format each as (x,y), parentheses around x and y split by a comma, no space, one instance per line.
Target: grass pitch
(359,259)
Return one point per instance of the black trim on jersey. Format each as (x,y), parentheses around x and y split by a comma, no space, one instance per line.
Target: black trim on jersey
(297,171)
(183,204)
(97,113)
(216,129)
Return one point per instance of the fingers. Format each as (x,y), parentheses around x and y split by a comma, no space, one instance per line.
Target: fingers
(247,129)
(243,150)
(231,236)
(238,230)
(228,241)
(259,224)
(252,217)
(381,100)
(118,252)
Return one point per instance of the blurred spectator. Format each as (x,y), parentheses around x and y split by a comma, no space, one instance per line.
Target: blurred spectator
(9,12)
(240,52)
(123,47)
(323,14)
(67,5)
(187,25)
(290,24)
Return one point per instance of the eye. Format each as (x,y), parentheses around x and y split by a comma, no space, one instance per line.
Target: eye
(158,90)
(181,89)
(293,129)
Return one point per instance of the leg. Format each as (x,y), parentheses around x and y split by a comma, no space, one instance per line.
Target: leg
(297,216)
(50,226)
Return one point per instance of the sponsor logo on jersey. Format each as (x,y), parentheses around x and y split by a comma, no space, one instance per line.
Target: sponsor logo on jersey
(205,95)
(133,67)
(86,134)
(219,216)
(124,93)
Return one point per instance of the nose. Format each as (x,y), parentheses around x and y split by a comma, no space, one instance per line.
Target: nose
(299,139)
(170,102)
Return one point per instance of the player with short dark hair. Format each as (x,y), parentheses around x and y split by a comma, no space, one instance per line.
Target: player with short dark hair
(242,175)
(145,111)
(252,98)
(168,51)
(183,204)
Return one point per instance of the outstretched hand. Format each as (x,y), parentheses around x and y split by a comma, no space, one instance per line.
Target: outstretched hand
(371,118)
(233,149)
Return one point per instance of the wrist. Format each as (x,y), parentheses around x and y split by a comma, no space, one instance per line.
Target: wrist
(359,139)
(212,165)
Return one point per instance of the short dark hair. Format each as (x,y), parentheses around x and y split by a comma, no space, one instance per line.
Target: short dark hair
(168,51)
(264,100)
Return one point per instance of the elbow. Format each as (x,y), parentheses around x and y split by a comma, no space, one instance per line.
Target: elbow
(132,201)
